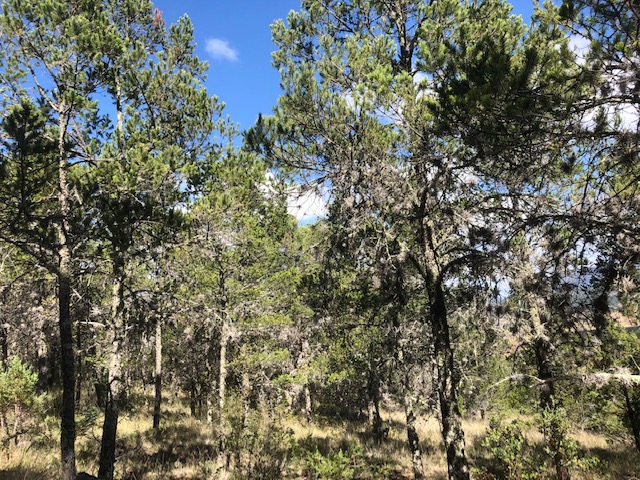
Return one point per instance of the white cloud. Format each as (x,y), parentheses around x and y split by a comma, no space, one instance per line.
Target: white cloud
(221,50)
(307,206)
(580,46)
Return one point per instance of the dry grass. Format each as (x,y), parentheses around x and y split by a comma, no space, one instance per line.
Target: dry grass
(187,449)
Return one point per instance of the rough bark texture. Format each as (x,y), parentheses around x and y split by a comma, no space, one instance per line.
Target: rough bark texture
(4,347)
(412,436)
(308,404)
(222,378)
(115,390)
(79,370)
(447,385)
(407,398)
(67,365)
(157,404)
(554,433)
(246,398)
(633,415)
(373,392)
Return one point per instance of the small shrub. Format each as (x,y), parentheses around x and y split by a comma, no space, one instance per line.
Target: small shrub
(261,449)
(336,465)
(344,464)
(18,399)
(508,446)
(565,452)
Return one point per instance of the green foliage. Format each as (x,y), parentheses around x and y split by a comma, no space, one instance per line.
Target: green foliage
(347,464)
(18,399)
(261,449)
(18,385)
(508,445)
(565,452)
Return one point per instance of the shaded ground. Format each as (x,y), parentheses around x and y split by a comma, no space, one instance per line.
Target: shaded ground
(278,446)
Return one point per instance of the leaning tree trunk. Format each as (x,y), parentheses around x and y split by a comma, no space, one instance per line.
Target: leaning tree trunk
(447,384)
(115,389)
(157,404)
(64,272)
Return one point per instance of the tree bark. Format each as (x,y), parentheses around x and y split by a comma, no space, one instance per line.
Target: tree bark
(64,272)
(373,392)
(157,404)
(548,402)
(192,399)
(114,384)
(412,434)
(222,377)
(4,347)
(246,397)
(633,415)
(447,385)
(407,396)
(79,371)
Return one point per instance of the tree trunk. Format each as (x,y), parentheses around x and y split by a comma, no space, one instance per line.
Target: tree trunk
(412,435)
(633,415)
(222,378)
(192,399)
(158,375)
(64,272)
(246,396)
(554,433)
(407,395)
(447,385)
(308,403)
(373,392)
(114,385)
(4,347)
(79,370)
(224,339)
(67,367)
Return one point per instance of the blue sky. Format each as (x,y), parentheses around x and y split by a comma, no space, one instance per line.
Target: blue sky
(235,38)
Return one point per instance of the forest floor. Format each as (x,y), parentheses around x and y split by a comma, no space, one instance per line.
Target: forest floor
(272,446)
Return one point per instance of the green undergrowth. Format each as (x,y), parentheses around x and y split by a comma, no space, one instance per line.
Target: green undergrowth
(270,443)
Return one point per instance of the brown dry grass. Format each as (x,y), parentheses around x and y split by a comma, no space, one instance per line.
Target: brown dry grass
(186,449)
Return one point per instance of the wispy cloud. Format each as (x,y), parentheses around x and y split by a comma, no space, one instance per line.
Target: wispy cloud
(221,50)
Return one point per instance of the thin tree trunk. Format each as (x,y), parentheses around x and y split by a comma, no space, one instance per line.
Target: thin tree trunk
(407,396)
(192,399)
(222,378)
(158,375)
(64,271)
(447,385)
(4,347)
(633,415)
(246,394)
(554,433)
(373,392)
(224,338)
(308,403)
(412,435)
(114,386)
(79,371)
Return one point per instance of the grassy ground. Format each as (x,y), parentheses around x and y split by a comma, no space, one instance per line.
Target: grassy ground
(276,446)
